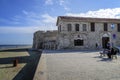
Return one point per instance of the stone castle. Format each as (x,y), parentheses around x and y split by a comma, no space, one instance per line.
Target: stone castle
(79,33)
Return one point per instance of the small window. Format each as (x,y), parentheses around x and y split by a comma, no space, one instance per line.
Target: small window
(78,42)
(118,27)
(69,26)
(77,27)
(59,28)
(105,27)
(92,27)
(84,27)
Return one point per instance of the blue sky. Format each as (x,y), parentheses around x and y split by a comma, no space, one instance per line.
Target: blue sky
(19,19)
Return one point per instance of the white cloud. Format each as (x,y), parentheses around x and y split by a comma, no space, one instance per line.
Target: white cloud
(30,22)
(49,2)
(49,22)
(101,13)
(63,3)
(20,30)
(25,29)
(27,18)
(7,21)
(49,19)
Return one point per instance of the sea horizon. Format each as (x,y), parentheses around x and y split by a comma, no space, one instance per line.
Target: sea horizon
(4,46)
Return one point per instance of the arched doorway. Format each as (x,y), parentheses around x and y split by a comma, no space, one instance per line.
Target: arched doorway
(105,40)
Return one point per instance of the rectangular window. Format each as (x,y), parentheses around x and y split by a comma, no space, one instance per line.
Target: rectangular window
(59,28)
(77,27)
(69,26)
(92,27)
(105,27)
(118,27)
(84,27)
(78,42)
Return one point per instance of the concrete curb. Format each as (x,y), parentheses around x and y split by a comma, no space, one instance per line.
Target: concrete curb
(40,73)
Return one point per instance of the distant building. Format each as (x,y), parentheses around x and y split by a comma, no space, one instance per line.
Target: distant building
(45,40)
(81,33)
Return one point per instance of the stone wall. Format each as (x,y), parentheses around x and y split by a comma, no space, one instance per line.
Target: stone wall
(45,39)
(66,38)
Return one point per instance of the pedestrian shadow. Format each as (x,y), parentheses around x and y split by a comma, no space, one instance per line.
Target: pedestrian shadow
(28,71)
(105,59)
(102,58)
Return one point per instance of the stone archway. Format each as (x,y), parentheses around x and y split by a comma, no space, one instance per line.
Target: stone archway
(80,40)
(105,40)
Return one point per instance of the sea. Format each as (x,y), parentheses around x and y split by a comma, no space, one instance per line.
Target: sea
(14,46)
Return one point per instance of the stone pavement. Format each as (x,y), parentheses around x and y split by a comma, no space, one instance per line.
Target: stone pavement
(77,65)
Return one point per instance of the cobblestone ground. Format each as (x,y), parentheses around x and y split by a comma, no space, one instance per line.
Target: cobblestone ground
(80,65)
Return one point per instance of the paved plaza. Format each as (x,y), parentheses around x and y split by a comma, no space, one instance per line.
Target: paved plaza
(77,65)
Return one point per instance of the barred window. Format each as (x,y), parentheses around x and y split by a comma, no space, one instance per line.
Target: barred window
(118,27)
(84,27)
(78,42)
(92,27)
(105,27)
(77,27)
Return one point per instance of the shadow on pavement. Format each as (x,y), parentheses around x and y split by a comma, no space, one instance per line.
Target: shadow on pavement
(105,59)
(28,71)
(68,51)
(102,58)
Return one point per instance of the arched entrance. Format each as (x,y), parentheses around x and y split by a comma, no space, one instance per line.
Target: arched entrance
(105,40)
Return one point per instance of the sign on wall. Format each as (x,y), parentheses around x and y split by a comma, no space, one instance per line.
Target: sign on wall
(114,36)
(112,26)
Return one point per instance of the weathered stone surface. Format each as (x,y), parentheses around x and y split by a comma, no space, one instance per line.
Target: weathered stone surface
(45,40)
(64,39)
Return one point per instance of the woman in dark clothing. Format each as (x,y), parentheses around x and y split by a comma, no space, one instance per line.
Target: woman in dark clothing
(110,52)
(108,45)
(114,54)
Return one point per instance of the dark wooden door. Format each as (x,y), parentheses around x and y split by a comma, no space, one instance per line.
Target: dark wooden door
(105,40)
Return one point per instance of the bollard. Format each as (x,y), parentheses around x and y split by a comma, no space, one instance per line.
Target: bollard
(15,63)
